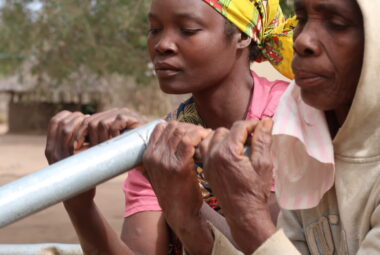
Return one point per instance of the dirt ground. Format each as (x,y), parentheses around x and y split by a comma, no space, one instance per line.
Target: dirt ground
(24,154)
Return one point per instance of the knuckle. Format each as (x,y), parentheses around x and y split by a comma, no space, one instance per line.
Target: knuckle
(180,132)
(239,124)
(186,142)
(54,121)
(93,125)
(263,163)
(67,130)
(160,127)
(260,144)
(86,122)
(65,122)
(103,124)
(221,130)
(120,116)
(172,124)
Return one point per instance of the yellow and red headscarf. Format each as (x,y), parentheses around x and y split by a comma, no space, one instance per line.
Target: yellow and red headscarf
(265,23)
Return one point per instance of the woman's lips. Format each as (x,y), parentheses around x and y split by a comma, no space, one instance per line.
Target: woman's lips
(165,73)
(308,80)
(166,70)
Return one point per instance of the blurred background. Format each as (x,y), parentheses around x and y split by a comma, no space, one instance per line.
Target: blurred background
(85,55)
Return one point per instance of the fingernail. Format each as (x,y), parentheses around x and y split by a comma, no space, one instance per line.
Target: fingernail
(267,125)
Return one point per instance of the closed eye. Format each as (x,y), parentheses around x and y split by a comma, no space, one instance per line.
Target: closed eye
(154,31)
(187,31)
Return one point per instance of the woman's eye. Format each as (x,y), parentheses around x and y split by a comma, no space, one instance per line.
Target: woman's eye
(337,23)
(338,26)
(187,31)
(154,31)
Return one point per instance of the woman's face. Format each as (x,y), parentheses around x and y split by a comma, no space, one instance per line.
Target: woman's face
(329,46)
(188,45)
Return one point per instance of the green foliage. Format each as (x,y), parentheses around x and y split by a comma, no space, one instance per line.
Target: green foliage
(287,7)
(66,37)
(15,35)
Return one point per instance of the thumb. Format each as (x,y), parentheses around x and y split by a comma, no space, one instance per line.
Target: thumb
(260,148)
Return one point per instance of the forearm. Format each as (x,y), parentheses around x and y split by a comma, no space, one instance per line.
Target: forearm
(218,221)
(95,235)
(251,229)
(194,233)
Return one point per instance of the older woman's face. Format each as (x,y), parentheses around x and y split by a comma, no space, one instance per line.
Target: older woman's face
(329,46)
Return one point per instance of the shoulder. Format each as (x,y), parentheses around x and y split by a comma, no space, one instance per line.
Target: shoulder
(269,86)
(266,95)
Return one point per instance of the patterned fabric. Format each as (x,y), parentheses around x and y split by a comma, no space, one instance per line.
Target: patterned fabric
(187,112)
(265,23)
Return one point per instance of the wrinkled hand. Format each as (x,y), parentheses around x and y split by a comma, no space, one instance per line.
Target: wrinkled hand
(242,184)
(105,125)
(61,135)
(69,132)
(169,166)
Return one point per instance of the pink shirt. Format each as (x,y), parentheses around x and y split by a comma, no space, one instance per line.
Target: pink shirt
(139,195)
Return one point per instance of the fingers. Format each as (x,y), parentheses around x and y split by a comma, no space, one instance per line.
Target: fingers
(71,125)
(105,125)
(60,142)
(81,133)
(212,143)
(156,134)
(192,138)
(52,135)
(53,126)
(239,134)
(174,141)
(232,140)
(171,136)
(98,126)
(123,122)
(260,149)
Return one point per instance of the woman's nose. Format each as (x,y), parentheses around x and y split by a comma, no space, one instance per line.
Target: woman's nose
(166,44)
(306,42)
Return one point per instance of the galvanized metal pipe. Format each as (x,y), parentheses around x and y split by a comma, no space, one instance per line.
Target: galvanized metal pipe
(73,175)
(41,249)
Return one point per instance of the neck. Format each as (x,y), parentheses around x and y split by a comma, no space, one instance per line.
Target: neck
(226,102)
(336,118)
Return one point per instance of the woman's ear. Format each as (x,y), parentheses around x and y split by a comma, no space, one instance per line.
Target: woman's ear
(244,41)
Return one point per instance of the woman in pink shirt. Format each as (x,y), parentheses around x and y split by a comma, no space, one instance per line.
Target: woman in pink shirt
(229,93)
(194,50)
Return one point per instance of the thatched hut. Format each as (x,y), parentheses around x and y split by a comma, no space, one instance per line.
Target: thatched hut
(29,105)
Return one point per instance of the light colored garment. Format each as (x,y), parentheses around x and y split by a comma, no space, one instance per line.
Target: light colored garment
(347,219)
(139,195)
(307,173)
(264,22)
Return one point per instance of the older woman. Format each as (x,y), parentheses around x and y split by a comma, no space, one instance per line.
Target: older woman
(335,108)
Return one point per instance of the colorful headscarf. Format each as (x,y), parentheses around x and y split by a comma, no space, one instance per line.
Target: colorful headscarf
(265,23)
